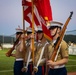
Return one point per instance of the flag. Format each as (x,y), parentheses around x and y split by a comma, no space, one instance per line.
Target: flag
(45,12)
(42,14)
(44,9)
(28,12)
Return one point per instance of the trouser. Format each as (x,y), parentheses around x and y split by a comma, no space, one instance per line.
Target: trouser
(41,70)
(18,65)
(59,71)
(30,69)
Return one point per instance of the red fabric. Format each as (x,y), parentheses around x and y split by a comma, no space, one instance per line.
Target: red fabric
(28,13)
(31,68)
(42,9)
(43,70)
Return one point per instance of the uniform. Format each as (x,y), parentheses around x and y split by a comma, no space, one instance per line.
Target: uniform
(57,67)
(39,60)
(28,60)
(58,70)
(28,55)
(19,56)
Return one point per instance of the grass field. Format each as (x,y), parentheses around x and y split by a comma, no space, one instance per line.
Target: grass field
(6,64)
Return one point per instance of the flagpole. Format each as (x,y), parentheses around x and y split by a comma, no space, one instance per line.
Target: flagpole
(23,23)
(33,31)
(23,18)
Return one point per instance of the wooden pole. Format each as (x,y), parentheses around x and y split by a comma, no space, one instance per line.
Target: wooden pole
(23,23)
(33,31)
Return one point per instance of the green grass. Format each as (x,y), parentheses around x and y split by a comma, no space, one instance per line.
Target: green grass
(6,63)
(71,65)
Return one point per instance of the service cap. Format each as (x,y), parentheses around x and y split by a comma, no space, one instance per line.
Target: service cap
(29,30)
(54,24)
(39,29)
(19,31)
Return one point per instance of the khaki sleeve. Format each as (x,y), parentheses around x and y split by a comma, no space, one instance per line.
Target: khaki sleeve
(64,49)
(48,51)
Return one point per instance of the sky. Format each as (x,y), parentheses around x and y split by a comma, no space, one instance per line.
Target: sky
(11,14)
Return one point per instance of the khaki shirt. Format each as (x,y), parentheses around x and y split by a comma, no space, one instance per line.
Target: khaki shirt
(19,54)
(38,53)
(62,53)
(27,51)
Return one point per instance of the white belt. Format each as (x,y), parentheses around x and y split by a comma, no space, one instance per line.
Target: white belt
(19,59)
(56,67)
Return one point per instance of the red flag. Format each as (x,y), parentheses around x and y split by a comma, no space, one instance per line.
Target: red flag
(28,12)
(44,9)
(42,14)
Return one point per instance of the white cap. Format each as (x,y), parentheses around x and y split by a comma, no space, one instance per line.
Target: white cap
(39,28)
(29,29)
(19,31)
(55,23)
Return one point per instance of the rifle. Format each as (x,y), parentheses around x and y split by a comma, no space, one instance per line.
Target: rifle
(8,54)
(59,40)
(61,37)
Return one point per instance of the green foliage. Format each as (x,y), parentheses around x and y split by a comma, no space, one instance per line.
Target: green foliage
(6,39)
(71,38)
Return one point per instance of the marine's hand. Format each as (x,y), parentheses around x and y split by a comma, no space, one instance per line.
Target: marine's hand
(51,63)
(23,69)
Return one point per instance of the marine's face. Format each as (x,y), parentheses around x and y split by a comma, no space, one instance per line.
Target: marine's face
(29,36)
(17,35)
(40,35)
(53,31)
